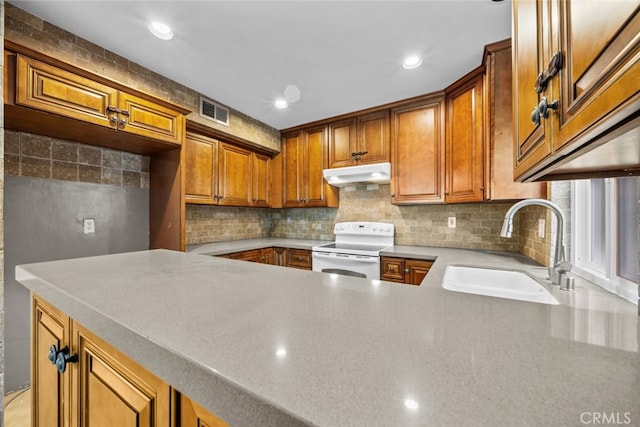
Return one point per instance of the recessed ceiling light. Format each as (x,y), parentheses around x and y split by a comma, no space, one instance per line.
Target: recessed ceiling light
(161,31)
(281,104)
(412,62)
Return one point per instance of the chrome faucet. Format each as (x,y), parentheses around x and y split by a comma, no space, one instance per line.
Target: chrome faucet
(560,266)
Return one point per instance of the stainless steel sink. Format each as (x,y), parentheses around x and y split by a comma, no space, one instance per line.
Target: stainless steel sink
(495,282)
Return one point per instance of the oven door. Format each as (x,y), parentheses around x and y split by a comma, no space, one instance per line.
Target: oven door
(347,264)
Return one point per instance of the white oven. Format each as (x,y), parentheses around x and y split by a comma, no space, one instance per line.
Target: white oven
(356,250)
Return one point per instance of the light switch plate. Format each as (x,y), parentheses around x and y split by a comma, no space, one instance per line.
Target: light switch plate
(452,222)
(89,225)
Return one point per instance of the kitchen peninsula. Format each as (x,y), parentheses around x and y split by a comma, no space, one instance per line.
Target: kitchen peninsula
(265,345)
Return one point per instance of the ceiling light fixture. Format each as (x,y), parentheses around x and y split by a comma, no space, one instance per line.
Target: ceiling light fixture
(161,31)
(281,104)
(412,62)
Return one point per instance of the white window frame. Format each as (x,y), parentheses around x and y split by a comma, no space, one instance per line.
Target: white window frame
(605,277)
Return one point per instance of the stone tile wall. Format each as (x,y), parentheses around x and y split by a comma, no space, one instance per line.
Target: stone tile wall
(44,157)
(32,32)
(478,224)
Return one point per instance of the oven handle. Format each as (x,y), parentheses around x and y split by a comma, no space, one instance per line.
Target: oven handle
(347,257)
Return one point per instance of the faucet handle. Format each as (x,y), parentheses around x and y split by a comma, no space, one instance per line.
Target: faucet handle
(563,267)
(567,282)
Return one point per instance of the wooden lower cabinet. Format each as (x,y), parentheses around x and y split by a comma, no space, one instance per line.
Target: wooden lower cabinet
(99,386)
(280,256)
(402,270)
(299,258)
(191,414)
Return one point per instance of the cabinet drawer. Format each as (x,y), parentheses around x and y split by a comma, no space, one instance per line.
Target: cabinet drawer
(148,119)
(392,269)
(51,89)
(299,258)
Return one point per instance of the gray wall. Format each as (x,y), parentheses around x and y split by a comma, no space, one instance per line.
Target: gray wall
(44,223)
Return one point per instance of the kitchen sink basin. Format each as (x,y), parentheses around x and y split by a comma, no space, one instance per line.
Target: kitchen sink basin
(496,283)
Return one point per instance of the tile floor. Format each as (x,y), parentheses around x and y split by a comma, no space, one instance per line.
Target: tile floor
(17,409)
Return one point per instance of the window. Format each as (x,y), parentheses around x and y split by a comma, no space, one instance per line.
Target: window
(605,233)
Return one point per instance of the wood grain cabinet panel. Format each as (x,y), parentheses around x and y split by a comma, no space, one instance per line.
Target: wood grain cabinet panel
(113,389)
(149,119)
(219,173)
(465,140)
(417,152)
(50,391)
(48,88)
(360,140)
(194,415)
(299,258)
(304,157)
(586,58)
(403,270)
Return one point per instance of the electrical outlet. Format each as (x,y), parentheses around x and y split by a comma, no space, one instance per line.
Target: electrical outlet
(452,222)
(541,227)
(89,225)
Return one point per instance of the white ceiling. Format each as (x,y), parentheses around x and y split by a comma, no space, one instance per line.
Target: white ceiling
(342,55)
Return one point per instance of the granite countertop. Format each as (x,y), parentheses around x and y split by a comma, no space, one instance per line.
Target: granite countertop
(266,345)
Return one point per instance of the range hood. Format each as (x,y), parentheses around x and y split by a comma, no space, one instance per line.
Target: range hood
(377,173)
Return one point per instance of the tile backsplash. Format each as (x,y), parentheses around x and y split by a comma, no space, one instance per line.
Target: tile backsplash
(477,224)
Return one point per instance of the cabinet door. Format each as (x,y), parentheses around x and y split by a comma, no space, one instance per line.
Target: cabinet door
(499,130)
(145,118)
(49,390)
(267,256)
(261,180)
(342,143)
(416,270)
(51,89)
(251,255)
(234,175)
(292,164)
(113,390)
(465,143)
(317,192)
(417,153)
(601,75)
(201,158)
(392,269)
(280,256)
(194,415)
(531,38)
(373,137)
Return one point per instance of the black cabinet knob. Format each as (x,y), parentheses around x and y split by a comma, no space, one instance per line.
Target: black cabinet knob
(544,107)
(63,358)
(53,353)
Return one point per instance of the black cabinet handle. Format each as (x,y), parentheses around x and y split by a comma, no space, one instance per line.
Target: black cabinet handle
(63,358)
(555,65)
(535,116)
(544,107)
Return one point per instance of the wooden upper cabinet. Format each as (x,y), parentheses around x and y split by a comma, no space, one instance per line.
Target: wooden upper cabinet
(360,140)
(304,157)
(373,137)
(219,173)
(234,176)
(48,88)
(149,119)
(601,71)
(201,174)
(465,140)
(62,92)
(261,180)
(342,143)
(498,115)
(417,152)
(530,40)
(585,57)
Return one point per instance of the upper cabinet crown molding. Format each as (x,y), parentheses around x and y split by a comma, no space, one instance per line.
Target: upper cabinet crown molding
(576,96)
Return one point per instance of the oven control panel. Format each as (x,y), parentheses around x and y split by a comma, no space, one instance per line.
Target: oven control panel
(364,228)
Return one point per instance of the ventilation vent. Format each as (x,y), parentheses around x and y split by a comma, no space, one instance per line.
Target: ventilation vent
(212,111)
